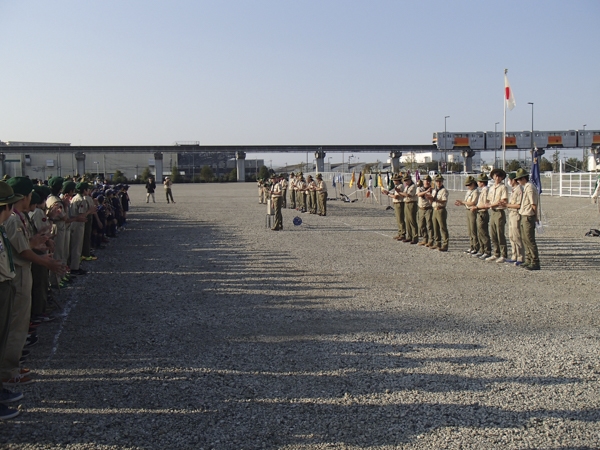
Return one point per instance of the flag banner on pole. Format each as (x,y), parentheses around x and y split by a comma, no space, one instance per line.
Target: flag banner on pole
(352,179)
(375,183)
(333,182)
(535,172)
(417,176)
(508,94)
(390,182)
(380,181)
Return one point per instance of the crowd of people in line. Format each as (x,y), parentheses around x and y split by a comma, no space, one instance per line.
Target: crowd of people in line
(306,195)
(48,229)
(420,208)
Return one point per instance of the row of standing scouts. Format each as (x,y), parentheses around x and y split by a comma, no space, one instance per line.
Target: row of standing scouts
(47,231)
(421,213)
(306,195)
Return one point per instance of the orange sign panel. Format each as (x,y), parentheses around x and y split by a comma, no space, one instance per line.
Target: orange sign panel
(554,140)
(511,140)
(461,141)
(596,139)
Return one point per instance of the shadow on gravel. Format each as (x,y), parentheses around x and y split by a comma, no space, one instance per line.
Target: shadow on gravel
(225,349)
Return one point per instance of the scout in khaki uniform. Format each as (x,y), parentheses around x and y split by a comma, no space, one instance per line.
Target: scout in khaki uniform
(78,207)
(469,202)
(7,290)
(22,241)
(398,206)
(438,199)
(311,190)
(529,217)
(410,210)
(284,188)
(498,199)
(277,200)
(322,195)
(483,218)
(261,191)
(514,221)
(301,193)
(425,214)
(292,187)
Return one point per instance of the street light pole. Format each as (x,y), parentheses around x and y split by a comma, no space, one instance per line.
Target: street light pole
(496,144)
(583,156)
(531,103)
(445,145)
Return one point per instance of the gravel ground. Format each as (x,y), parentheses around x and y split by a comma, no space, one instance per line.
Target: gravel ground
(199,328)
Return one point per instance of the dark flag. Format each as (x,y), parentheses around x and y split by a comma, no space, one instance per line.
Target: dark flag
(535,172)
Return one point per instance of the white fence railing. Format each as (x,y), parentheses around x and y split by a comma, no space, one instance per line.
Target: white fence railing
(579,184)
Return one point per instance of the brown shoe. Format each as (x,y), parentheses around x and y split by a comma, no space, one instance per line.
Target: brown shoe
(433,247)
(396,238)
(443,249)
(422,243)
(414,241)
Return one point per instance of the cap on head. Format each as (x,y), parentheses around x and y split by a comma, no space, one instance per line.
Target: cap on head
(469,181)
(7,195)
(439,178)
(501,173)
(483,178)
(21,185)
(521,173)
(56,181)
(68,187)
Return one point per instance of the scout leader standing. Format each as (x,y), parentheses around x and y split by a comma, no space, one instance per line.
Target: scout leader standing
(410,209)
(322,195)
(469,202)
(514,220)
(277,200)
(284,188)
(425,215)
(498,200)
(398,203)
(483,218)
(292,187)
(529,217)
(311,187)
(438,199)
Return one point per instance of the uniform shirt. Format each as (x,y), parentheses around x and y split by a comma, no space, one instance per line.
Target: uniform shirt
(440,195)
(498,192)
(284,184)
(39,218)
(530,198)
(396,189)
(311,185)
(18,231)
(411,190)
(5,271)
(276,190)
(79,205)
(471,196)
(515,198)
(322,187)
(483,198)
(422,200)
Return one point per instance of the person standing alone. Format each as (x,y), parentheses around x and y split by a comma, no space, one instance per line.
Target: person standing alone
(150,188)
(168,183)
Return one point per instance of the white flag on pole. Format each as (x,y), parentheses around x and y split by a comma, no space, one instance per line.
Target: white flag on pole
(508,94)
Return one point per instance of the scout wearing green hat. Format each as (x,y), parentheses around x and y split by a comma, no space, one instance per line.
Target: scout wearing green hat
(277,202)
(470,201)
(514,220)
(292,188)
(425,214)
(311,187)
(19,233)
(438,199)
(483,218)
(529,217)
(322,195)
(398,203)
(498,198)
(79,208)
(409,195)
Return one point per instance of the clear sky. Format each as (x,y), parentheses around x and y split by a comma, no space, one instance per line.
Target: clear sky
(292,72)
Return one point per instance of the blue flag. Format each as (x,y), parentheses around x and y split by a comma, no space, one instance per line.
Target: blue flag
(535,172)
(333,181)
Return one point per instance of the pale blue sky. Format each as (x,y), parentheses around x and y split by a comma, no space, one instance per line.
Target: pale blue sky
(292,72)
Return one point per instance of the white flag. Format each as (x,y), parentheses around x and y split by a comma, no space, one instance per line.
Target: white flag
(508,94)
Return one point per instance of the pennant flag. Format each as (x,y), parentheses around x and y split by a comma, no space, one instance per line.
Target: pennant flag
(379,180)
(370,184)
(417,176)
(352,180)
(360,180)
(508,93)
(535,172)
(333,182)
(390,182)
(376,184)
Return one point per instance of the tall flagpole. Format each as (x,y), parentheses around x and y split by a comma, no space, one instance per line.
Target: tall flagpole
(504,131)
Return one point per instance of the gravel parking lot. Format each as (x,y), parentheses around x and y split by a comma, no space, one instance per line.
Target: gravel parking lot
(200,328)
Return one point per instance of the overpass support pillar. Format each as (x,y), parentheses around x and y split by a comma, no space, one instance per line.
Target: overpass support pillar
(320,157)
(158,167)
(468,155)
(2,159)
(80,158)
(240,164)
(395,161)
